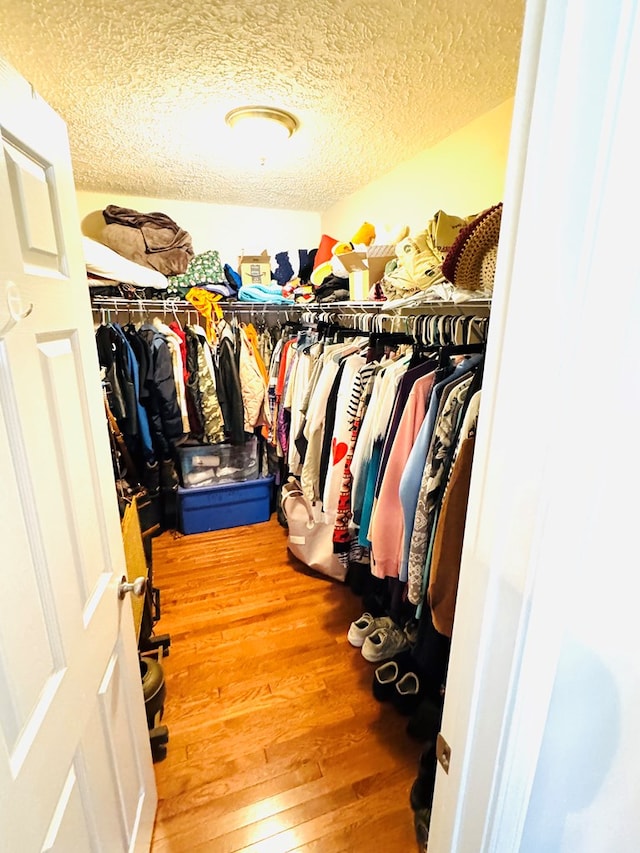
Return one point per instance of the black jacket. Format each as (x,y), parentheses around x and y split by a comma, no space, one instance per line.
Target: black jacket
(230,392)
(165,418)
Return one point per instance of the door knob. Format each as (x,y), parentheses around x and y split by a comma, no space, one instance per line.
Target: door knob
(137,587)
(15,308)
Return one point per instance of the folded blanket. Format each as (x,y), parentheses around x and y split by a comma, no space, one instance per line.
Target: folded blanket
(263,293)
(151,239)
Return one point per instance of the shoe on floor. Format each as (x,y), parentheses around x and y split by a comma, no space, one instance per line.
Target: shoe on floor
(360,629)
(421,821)
(407,695)
(421,794)
(384,643)
(365,625)
(384,680)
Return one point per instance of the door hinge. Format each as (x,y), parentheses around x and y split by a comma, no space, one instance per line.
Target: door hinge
(443,752)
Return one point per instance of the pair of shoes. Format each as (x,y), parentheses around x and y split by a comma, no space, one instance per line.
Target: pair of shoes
(384,643)
(388,674)
(364,626)
(402,688)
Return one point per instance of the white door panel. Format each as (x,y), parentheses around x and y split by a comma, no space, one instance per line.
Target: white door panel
(75,760)
(69,828)
(543,684)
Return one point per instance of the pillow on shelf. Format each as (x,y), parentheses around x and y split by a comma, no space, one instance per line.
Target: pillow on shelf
(102,262)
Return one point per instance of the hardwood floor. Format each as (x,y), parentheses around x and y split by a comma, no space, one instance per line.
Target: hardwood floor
(276,742)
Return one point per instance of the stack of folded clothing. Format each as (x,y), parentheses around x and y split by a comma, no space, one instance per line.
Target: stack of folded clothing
(204,271)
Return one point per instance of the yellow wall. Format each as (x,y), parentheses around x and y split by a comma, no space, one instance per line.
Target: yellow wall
(230,230)
(462,175)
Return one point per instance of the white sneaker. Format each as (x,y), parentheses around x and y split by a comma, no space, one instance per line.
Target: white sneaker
(365,625)
(384,643)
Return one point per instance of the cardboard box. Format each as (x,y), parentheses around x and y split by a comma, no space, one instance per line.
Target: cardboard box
(366,269)
(255,269)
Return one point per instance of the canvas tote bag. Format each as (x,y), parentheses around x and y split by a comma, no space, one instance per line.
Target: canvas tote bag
(310,533)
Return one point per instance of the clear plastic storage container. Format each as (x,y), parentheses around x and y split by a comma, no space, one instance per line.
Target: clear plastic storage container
(216,464)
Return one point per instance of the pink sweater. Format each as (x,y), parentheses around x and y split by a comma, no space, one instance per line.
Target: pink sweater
(386,529)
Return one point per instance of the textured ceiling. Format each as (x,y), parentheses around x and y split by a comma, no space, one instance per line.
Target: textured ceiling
(144,86)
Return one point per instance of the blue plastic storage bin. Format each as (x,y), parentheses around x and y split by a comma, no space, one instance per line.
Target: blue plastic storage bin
(230,505)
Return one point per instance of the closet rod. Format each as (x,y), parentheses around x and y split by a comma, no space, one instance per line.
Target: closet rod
(475,307)
(436,327)
(478,308)
(119,302)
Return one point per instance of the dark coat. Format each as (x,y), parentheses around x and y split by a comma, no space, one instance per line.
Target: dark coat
(165,418)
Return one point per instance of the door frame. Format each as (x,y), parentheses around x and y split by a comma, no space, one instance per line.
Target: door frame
(498,699)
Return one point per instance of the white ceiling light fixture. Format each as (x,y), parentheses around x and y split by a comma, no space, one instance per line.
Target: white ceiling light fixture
(261,131)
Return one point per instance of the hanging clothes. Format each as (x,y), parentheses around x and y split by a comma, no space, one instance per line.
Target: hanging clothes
(165,418)
(174,342)
(387,523)
(194,419)
(192,386)
(272,395)
(433,477)
(447,546)
(342,533)
(143,433)
(252,384)
(339,436)
(282,422)
(378,415)
(294,401)
(316,418)
(303,396)
(121,395)
(211,411)
(411,479)
(228,387)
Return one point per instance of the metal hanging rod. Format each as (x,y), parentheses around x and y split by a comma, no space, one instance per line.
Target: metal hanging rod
(433,329)
(119,302)
(477,308)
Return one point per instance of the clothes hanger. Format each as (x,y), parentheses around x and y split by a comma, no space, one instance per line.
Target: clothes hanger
(449,350)
(175,314)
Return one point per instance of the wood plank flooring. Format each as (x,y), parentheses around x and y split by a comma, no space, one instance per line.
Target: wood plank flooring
(276,742)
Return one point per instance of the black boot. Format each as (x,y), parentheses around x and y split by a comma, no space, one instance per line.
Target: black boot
(421,821)
(422,789)
(168,474)
(152,477)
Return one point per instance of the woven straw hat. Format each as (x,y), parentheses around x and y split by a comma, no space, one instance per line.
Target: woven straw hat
(470,263)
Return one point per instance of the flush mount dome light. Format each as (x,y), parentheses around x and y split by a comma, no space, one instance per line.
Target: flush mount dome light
(263,120)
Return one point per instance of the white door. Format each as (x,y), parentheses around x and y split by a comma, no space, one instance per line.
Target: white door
(75,762)
(543,690)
